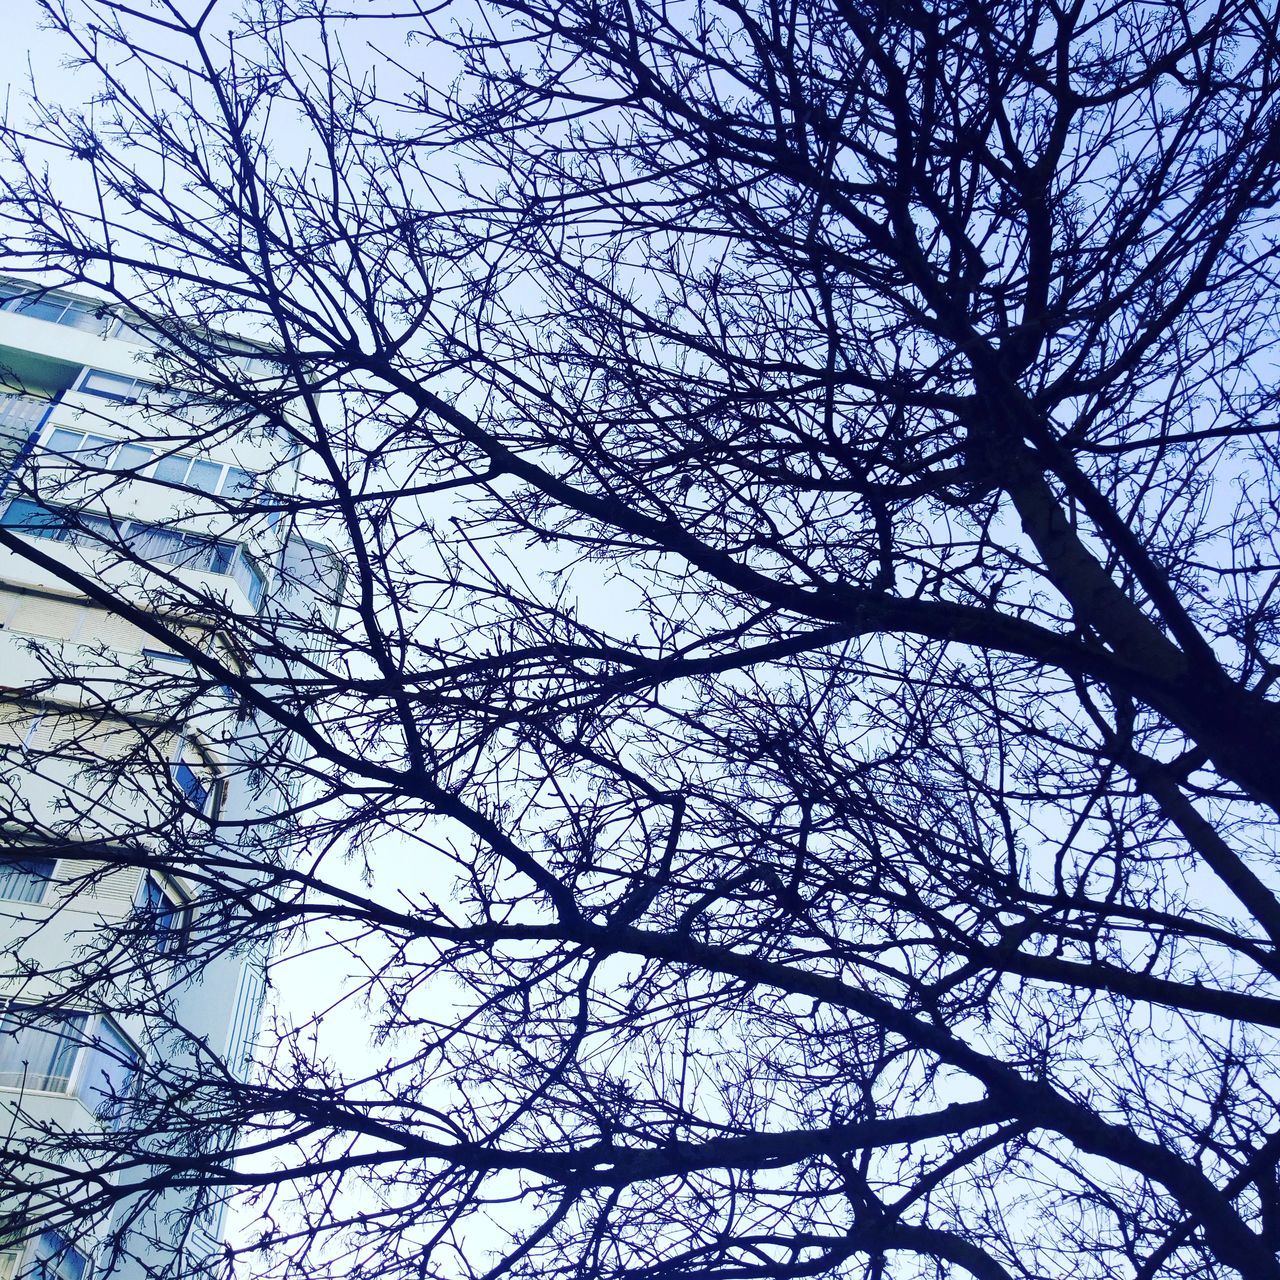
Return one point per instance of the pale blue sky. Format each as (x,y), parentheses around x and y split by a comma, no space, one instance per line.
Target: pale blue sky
(24,43)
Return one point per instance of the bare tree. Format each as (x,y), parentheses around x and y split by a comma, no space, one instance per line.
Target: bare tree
(793,768)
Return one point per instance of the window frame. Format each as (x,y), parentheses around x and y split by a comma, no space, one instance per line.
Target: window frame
(54,519)
(174,938)
(106,446)
(230,476)
(132,388)
(193,785)
(22,1261)
(228,472)
(48,880)
(163,656)
(85,1040)
(21,301)
(53,525)
(187,754)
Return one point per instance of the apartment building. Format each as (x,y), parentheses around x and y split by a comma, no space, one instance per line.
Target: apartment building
(119,760)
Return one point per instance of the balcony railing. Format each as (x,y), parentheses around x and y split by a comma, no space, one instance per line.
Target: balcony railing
(19,414)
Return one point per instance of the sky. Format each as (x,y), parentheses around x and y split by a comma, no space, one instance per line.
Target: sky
(25,46)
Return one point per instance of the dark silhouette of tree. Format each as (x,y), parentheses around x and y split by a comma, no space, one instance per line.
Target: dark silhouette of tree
(793,770)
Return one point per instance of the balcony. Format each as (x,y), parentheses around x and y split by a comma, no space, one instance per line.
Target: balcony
(19,414)
(20,418)
(102,320)
(75,313)
(47,339)
(149,542)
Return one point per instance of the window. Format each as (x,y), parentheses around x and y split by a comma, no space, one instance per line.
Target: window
(40,1057)
(55,1258)
(196,779)
(200,473)
(169,915)
(89,448)
(163,546)
(132,328)
(172,469)
(76,313)
(86,447)
(211,1218)
(190,785)
(25,879)
(50,522)
(146,541)
(108,1072)
(32,518)
(203,474)
(237,483)
(83,446)
(132,458)
(74,1053)
(113,386)
(251,581)
(177,661)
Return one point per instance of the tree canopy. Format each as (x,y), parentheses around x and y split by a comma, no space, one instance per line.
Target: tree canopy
(792,773)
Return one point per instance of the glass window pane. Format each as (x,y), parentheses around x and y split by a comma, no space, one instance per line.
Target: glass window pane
(98,449)
(204,475)
(39,1057)
(112,386)
(168,915)
(111,1063)
(25,879)
(45,308)
(83,315)
(74,312)
(150,895)
(32,518)
(93,530)
(173,469)
(149,542)
(171,929)
(57,1260)
(238,484)
(21,514)
(250,580)
(223,557)
(190,785)
(196,553)
(132,457)
(173,659)
(64,442)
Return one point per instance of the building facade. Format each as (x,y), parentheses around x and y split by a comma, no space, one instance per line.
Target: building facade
(120,761)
